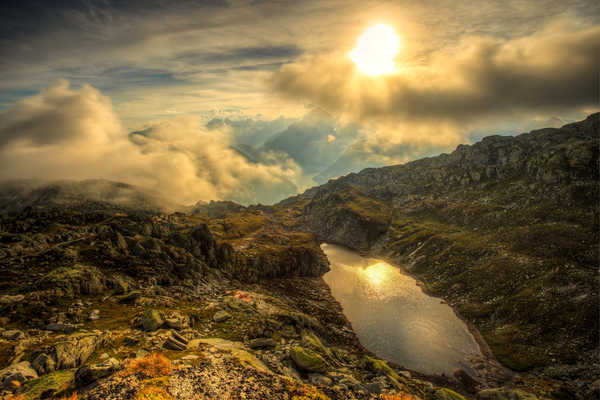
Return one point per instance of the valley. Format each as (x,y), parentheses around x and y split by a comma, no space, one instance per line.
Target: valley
(505,231)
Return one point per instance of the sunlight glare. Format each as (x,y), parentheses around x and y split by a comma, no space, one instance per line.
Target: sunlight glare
(375,51)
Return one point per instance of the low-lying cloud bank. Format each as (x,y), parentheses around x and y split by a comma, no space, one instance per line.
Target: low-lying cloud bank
(474,85)
(66,133)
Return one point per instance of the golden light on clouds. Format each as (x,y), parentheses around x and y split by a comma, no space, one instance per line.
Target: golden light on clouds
(330,138)
(375,50)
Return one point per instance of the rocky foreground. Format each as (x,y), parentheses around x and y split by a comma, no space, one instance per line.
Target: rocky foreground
(102,299)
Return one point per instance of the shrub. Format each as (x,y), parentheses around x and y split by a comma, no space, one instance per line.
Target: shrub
(399,396)
(153,365)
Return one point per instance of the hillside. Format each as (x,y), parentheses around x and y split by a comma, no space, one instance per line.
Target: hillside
(505,230)
(107,295)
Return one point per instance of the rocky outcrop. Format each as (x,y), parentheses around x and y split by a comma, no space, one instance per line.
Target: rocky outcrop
(69,353)
(16,375)
(90,373)
(348,218)
(505,230)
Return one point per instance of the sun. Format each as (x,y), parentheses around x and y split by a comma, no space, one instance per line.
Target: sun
(375,51)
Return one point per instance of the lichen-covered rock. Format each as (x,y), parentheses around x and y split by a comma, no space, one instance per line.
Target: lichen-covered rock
(177,321)
(12,334)
(75,280)
(74,351)
(447,394)
(307,360)
(90,373)
(43,364)
(152,320)
(20,373)
(47,385)
(8,299)
(221,316)
(505,394)
(262,343)
(58,327)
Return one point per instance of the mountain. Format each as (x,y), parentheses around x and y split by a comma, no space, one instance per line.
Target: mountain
(92,193)
(506,230)
(98,278)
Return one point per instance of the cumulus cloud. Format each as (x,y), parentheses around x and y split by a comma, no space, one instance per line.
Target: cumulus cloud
(460,88)
(66,133)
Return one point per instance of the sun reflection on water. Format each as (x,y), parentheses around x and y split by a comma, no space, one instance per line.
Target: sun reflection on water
(376,274)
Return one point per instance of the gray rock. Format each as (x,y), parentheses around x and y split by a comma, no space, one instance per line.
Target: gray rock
(90,373)
(12,334)
(129,297)
(262,343)
(8,299)
(152,320)
(318,379)
(173,344)
(74,352)
(373,387)
(221,316)
(75,280)
(21,372)
(177,321)
(94,315)
(43,364)
(504,393)
(57,327)
(307,359)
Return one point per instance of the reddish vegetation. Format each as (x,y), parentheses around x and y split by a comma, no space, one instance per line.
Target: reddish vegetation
(238,294)
(153,365)
(399,396)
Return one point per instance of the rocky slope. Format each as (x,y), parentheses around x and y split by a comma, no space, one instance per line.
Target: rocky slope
(506,230)
(111,303)
(107,296)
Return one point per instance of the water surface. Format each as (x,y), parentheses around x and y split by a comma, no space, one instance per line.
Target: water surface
(394,318)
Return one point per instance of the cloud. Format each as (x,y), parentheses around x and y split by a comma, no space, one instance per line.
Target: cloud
(479,81)
(66,133)
(307,141)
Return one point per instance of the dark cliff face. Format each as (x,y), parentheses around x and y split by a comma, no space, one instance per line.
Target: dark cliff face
(506,230)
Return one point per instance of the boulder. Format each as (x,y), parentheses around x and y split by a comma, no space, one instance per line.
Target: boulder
(504,393)
(94,315)
(318,379)
(447,394)
(177,321)
(221,316)
(307,360)
(75,280)
(262,343)
(173,344)
(8,299)
(21,372)
(57,327)
(129,297)
(90,373)
(12,334)
(43,364)
(74,352)
(152,320)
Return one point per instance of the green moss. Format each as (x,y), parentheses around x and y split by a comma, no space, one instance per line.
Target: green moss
(54,381)
(381,367)
(307,359)
(447,394)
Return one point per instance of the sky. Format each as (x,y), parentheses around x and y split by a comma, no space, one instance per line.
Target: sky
(255,100)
